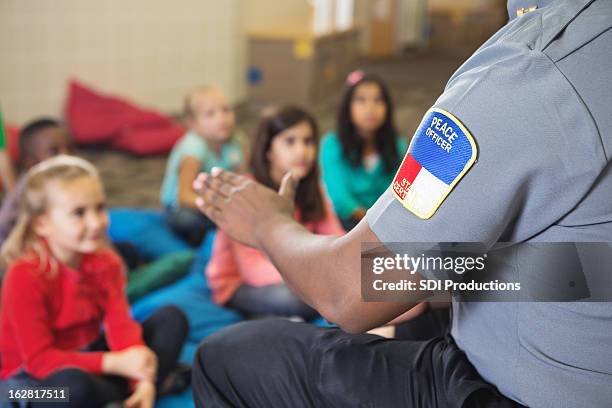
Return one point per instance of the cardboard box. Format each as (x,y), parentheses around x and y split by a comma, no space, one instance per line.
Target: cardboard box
(460,31)
(299,68)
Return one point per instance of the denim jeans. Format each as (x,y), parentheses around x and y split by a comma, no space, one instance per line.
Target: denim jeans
(270,300)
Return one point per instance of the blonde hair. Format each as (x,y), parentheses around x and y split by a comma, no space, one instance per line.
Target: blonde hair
(188,111)
(34,202)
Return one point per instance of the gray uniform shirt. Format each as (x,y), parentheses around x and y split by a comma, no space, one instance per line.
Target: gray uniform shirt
(537,98)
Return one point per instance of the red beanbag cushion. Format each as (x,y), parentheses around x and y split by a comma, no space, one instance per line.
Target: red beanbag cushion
(145,141)
(12,142)
(96,118)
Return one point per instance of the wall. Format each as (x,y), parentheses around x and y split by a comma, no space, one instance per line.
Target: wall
(151,51)
(470,4)
(295,16)
(270,14)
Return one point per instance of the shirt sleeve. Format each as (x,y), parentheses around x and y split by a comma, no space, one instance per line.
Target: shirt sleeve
(192,146)
(222,272)
(29,318)
(121,330)
(336,173)
(539,153)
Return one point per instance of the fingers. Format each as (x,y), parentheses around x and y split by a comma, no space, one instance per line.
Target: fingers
(149,372)
(198,183)
(227,176)
(148,375)
(210,198)
(220,175)
(148,364)
(288,187)
(212,193)
(212,212)
(150,369)
(215,189)
(132,401)
(217,185)
(142,397)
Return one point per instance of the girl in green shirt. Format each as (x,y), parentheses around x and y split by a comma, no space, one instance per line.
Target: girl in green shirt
(360,158)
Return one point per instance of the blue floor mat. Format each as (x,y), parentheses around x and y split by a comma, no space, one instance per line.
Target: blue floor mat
(145,229)
(192,296)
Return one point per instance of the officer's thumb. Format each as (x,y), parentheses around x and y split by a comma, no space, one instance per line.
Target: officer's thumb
(288,187)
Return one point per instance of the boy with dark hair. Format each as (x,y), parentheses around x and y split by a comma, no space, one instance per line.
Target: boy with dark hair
(40,139)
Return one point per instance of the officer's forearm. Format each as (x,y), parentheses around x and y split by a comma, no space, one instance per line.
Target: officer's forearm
(325,271)
(305,261)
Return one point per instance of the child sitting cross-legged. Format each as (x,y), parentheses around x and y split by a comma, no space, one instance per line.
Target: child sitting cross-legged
(243,278)
(210,141)
(64,317)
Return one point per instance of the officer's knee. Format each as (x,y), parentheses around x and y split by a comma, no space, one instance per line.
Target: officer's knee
(228,351)
(224,343)
(210,360)
(240,341)
(207,354)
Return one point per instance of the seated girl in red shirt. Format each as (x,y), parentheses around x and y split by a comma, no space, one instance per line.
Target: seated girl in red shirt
(65,288)
(243,278)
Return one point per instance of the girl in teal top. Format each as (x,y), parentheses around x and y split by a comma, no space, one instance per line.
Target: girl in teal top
(360,159)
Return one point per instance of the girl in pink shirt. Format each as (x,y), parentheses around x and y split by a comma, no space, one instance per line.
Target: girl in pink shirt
(243,278)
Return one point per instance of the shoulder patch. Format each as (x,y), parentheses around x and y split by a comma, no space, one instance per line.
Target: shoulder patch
(440,153)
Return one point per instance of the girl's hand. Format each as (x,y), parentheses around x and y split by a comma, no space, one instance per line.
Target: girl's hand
(241,207)
(137,362)
(142,397)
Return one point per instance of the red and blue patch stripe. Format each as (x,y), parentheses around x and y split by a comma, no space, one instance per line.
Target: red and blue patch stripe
(441,152)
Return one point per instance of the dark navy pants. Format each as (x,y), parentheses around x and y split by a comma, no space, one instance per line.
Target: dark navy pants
(278,363)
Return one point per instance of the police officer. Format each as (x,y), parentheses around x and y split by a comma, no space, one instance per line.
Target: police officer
(527,135)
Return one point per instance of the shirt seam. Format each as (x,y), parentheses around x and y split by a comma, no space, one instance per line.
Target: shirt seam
(586,107)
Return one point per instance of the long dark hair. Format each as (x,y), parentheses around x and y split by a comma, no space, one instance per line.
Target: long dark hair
(385,138)
(308,196)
